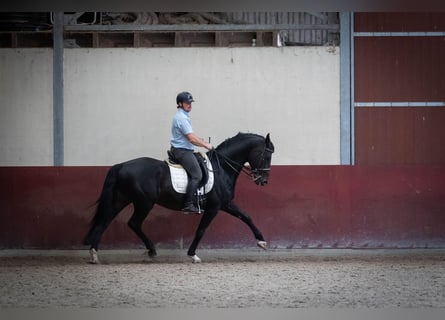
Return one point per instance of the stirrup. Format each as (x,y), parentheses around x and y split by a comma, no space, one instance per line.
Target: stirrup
(191,208)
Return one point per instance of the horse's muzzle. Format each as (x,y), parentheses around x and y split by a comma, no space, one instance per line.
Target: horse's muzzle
(260,180)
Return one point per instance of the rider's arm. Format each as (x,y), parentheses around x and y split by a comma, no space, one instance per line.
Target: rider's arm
(197,141)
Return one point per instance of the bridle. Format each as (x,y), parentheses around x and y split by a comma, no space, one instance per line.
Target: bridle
(255,174)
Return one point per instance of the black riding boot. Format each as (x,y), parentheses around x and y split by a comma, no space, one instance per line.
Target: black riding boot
(189,206)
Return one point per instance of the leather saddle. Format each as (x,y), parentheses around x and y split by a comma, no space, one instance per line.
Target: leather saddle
(202,160)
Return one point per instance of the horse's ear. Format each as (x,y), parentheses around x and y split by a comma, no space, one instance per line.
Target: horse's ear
(268,138)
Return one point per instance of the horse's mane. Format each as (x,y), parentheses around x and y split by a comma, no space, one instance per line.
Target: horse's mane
(235,139)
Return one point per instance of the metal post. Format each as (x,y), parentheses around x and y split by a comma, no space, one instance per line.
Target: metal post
(58,137)
(352,55)
(346,130)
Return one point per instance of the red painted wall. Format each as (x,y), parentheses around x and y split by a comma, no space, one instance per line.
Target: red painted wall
(302,206)
(402,135)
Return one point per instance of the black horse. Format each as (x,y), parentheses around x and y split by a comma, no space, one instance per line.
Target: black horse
(147,181)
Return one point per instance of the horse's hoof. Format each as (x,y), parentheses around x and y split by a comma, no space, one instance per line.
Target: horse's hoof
(93,256)
(196,259)
(262,245)
(152,254)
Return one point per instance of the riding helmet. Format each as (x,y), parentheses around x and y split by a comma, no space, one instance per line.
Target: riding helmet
(184,97)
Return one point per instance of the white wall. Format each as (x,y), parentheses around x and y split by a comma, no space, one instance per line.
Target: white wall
(26,102)
(119,102)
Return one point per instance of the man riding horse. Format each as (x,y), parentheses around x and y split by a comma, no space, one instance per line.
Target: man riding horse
(182,143)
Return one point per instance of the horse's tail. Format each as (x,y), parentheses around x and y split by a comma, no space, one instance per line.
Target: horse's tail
(104,210)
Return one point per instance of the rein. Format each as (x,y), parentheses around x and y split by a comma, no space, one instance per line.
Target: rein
(229,162)
(241,167)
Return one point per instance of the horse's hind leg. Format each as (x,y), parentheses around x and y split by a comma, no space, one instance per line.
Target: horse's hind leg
(99,227)
(141,210)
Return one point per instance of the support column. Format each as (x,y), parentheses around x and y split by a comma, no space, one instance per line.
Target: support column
(58,152)
(346,90)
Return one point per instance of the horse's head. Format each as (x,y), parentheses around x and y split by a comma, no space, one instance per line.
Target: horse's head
(260,158)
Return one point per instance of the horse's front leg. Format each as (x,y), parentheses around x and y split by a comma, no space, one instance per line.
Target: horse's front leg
(235,211)
(206,219)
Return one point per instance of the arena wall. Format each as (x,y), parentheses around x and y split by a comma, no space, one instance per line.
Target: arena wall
(301,207)
(26,107)
(118,103)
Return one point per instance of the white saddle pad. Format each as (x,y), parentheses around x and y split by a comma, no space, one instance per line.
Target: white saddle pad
(180,179)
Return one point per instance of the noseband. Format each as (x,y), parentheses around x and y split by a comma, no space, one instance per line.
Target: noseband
(255,174)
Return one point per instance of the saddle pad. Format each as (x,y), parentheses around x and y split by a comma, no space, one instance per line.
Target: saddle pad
(180,179)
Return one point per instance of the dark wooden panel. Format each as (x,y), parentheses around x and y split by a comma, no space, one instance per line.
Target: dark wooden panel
(235,39)
(399,69)
(44,39)
(195,39)
(156,39)
(6,40)
(302,206)
(115,40)
(399,21)
(400,135)
(143,39)
(83,40)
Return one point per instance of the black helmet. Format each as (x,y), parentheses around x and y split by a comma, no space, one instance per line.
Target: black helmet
(184,97)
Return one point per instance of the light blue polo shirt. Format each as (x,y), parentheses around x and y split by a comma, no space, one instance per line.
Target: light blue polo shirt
(181,125)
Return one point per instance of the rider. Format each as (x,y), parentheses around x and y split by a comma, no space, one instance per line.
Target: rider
(182,146)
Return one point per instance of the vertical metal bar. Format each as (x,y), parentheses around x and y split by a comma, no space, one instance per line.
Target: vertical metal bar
(58,152)
(345,89)
(352,54)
